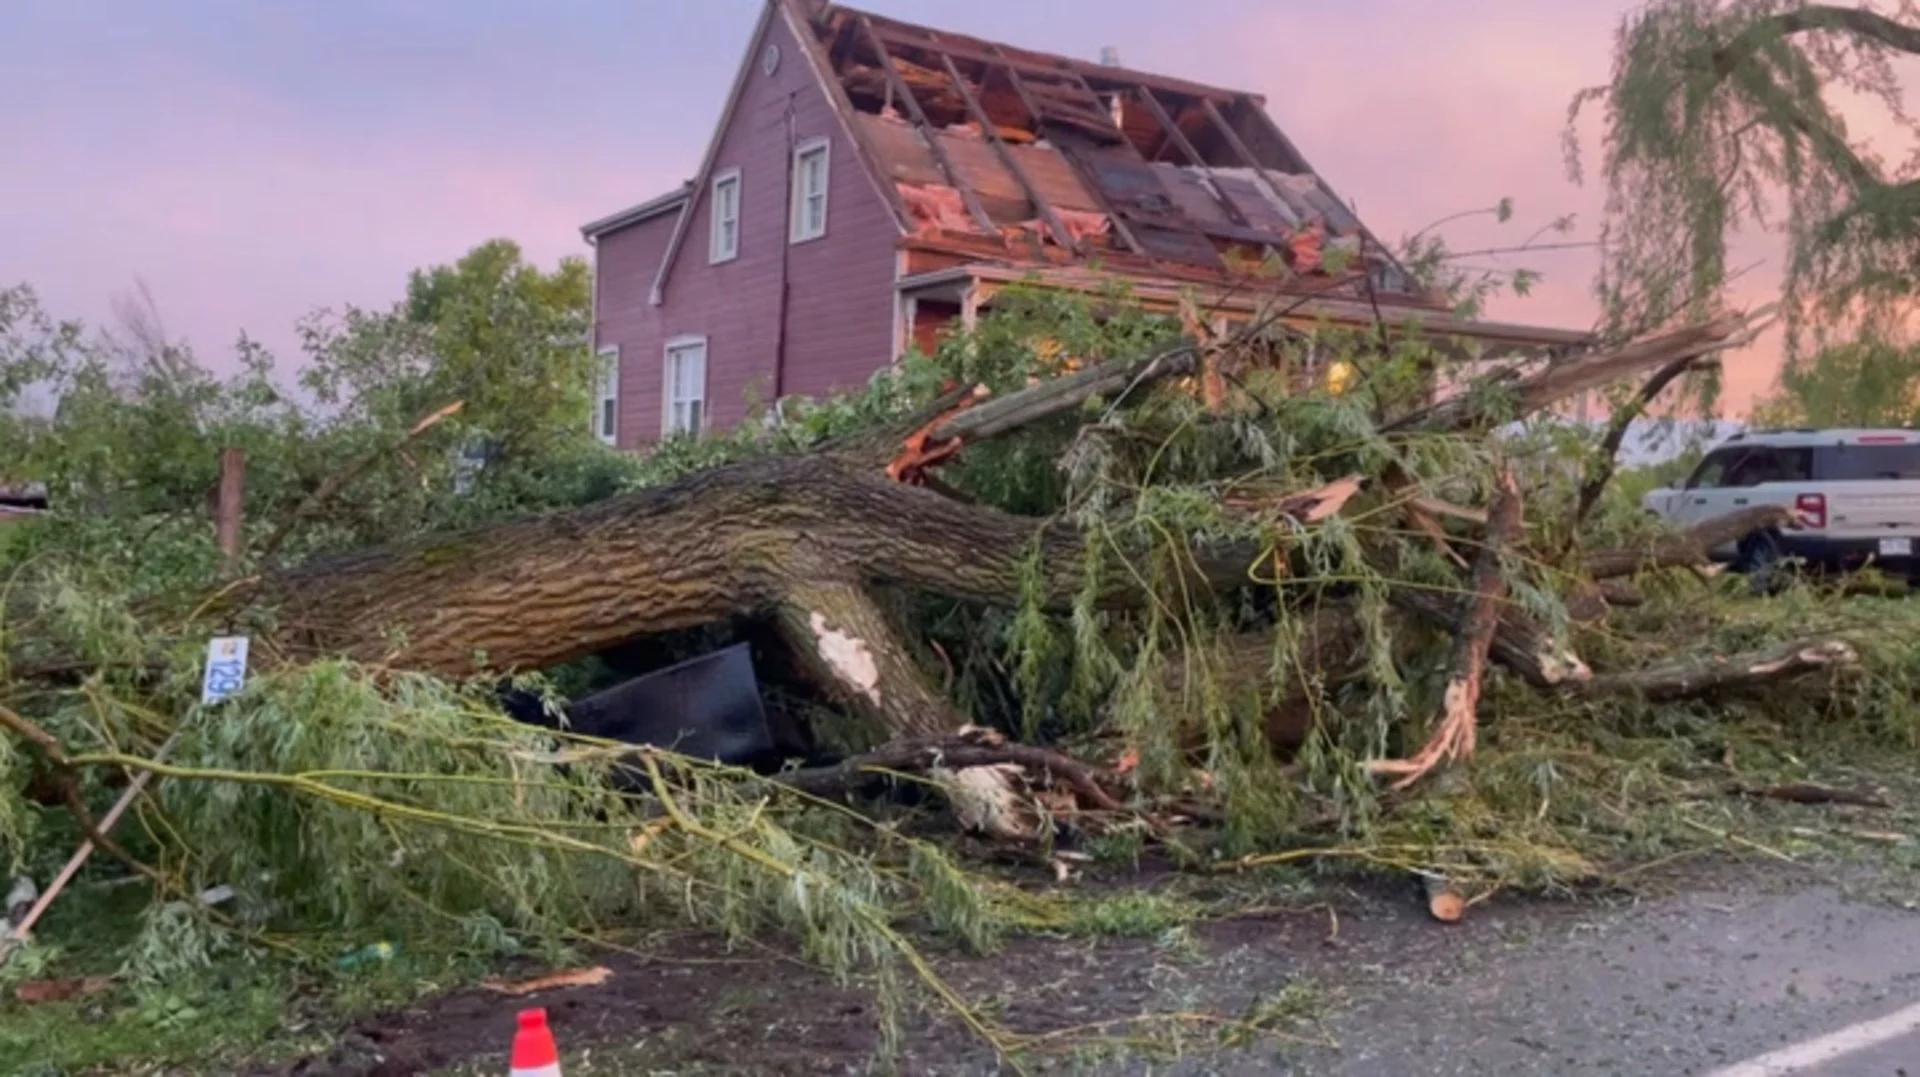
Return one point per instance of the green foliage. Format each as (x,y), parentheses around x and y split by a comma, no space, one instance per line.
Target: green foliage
(130,452)
(1717,118)
(1865,383)
(510,341)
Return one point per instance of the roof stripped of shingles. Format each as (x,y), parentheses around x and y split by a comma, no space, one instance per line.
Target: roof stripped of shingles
(1023,156)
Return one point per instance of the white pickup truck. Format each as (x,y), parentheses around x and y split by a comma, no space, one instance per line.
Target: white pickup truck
(1856,494)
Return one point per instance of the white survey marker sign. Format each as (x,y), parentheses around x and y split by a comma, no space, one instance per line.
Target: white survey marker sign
(226,668)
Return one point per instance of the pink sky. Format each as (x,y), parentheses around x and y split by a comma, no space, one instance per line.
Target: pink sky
(261,162)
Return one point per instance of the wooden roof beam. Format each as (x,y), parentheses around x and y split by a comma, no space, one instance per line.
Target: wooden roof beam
(991,131)
(1287,147)
(899,88)
(1187,149)
(1033,110)
(1240,150)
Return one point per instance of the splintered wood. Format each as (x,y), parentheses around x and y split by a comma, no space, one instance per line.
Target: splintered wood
(1474,638)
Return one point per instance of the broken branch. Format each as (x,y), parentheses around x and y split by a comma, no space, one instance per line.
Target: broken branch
(953,752)
(1609,452)
(1696,677)
(1691,547)
(1806,793)
(341,479)
(1472,641)
(1567,378)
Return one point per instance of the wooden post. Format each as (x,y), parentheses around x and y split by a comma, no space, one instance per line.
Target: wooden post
(227,515)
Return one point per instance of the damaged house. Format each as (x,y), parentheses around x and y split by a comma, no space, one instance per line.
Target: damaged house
(871,182)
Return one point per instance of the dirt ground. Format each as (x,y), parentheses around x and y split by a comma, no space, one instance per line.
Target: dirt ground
(1355,980)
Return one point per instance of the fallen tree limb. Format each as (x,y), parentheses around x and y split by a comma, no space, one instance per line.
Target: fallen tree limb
(959,751)
(1473,639)
(1696,677)
(1806,793)
(1606,459)
(1691,547)
(1519,643)
(1001,416)
(1588,371)
(1529,651)
(1590,600)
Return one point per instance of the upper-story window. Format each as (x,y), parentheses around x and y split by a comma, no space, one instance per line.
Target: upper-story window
(725,242)
(809,190)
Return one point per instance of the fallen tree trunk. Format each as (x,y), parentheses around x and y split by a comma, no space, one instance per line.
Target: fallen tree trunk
(800,537)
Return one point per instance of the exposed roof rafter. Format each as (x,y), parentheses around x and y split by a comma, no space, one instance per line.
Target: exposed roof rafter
(1179,139)
(991,132)
(1039,121)
(904,93)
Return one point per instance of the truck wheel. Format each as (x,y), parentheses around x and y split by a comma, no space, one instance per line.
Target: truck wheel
(1763,563)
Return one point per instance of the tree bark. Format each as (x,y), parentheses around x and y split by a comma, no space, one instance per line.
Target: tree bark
(1472,641)
(1694,678)
(847,645)
(797,536)
(1562,380)
(1690,547)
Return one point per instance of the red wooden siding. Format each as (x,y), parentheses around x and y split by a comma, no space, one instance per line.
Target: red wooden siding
(839,288)
(625,263)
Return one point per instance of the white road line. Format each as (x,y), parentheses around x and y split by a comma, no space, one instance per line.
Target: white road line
(1797,1057)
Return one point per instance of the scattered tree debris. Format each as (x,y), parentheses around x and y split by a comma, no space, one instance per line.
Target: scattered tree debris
(38,991)
(588,977)
(1472,640)
(1445,903)
(1807,793)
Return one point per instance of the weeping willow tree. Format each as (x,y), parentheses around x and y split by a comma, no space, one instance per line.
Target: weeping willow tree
(1723,116)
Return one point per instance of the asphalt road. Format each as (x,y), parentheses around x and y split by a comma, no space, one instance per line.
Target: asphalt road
(1706,983)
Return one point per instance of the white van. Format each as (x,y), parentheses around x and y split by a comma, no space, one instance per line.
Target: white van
(1856,494)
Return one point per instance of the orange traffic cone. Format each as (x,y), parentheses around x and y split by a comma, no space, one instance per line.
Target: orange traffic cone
(534,1052)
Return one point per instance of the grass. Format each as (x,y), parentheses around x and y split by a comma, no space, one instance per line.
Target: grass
(1564,796)
(236,1009)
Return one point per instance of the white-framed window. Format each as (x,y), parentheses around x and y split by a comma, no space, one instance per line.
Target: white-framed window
(686,389)
(724,245)
(606,395)
(809,191)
